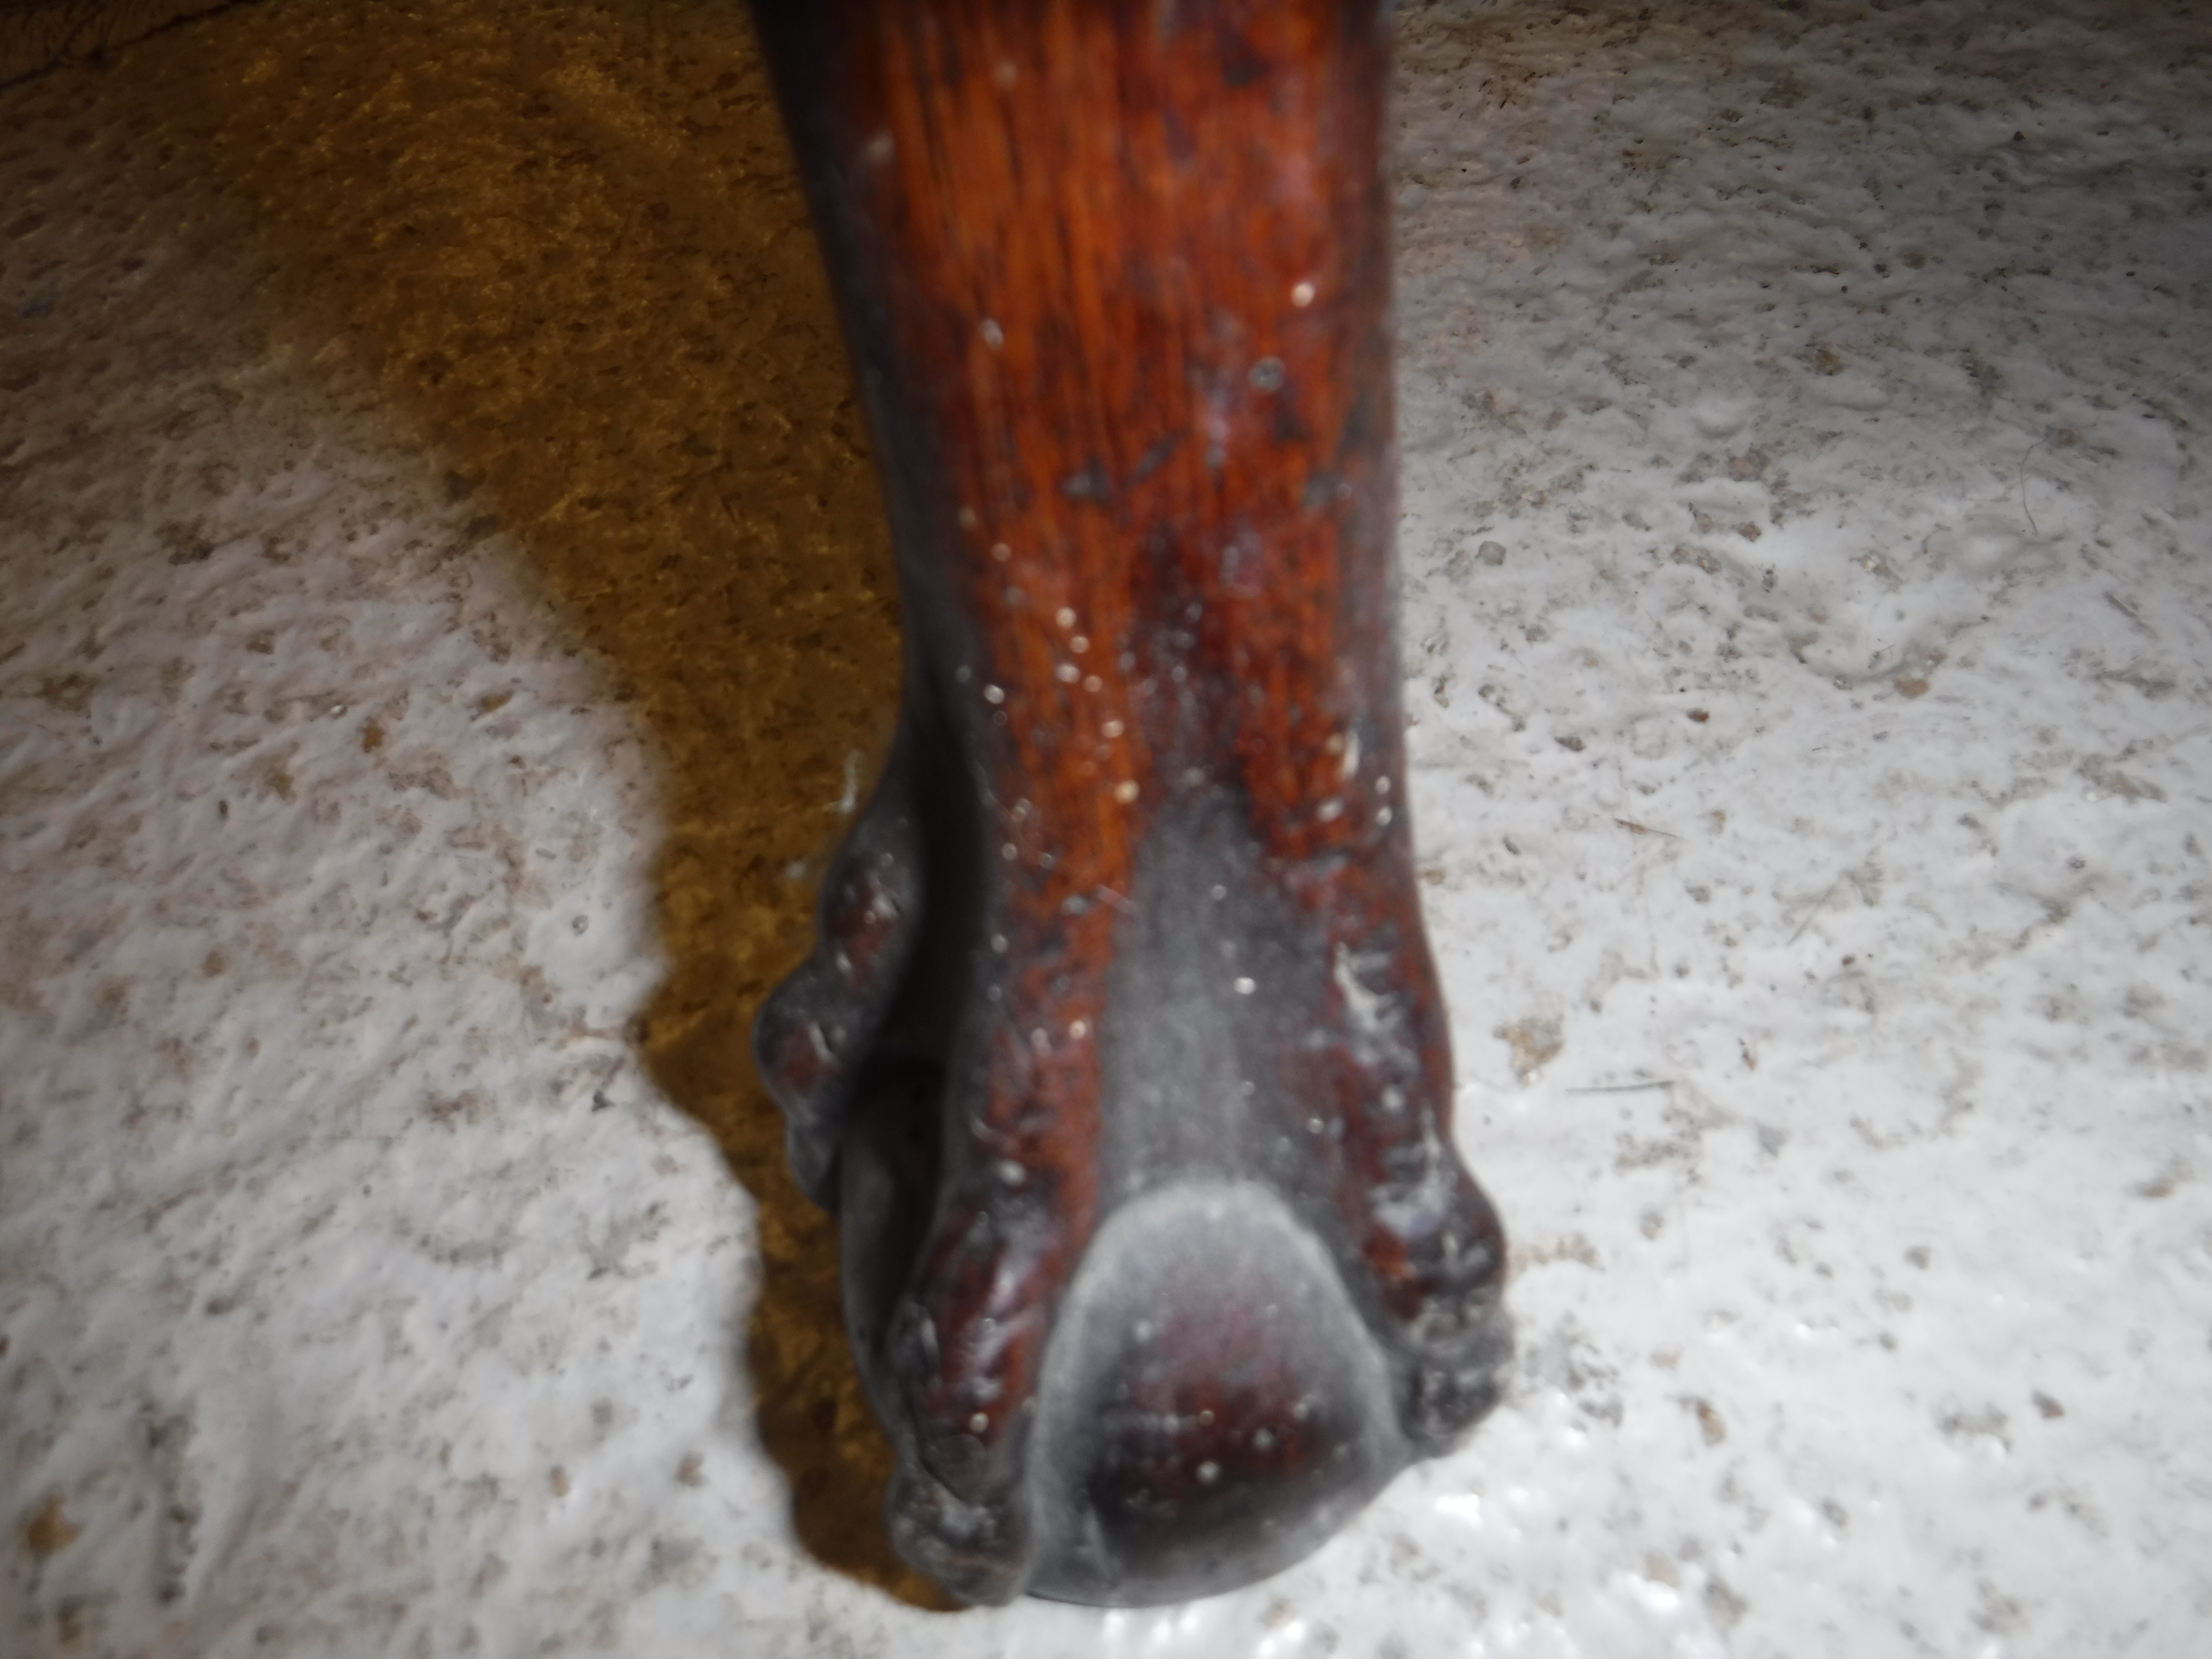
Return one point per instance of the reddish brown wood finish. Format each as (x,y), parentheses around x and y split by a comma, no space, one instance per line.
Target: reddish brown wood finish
(1130,929)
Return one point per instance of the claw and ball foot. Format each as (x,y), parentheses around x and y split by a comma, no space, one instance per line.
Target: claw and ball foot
(1121,1054)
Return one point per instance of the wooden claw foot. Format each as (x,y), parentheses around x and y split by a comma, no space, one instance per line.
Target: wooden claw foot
(1121,1053)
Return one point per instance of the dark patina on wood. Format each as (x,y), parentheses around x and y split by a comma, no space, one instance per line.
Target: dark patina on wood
(1121,1052)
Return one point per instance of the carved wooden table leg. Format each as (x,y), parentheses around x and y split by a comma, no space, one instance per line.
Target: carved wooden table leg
(1121,1050)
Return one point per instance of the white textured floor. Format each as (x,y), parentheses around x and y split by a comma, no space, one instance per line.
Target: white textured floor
(1809,634)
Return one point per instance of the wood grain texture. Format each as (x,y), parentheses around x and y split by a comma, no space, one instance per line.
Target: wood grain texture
(1131,924)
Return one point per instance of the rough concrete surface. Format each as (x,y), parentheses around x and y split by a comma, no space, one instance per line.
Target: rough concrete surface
(448,620)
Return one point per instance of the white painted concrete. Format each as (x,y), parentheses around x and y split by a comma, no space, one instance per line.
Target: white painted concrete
(1809,630)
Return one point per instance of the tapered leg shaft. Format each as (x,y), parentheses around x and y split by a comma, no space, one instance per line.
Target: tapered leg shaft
(1123,1048)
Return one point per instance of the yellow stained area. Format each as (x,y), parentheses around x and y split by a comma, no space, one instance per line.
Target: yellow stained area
(569,241)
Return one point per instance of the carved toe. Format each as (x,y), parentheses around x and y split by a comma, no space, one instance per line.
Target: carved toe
(818,1030)
(1213,1407)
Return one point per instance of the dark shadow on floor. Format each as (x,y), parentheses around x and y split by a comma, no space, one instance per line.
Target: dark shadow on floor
(567,237)
(37,34)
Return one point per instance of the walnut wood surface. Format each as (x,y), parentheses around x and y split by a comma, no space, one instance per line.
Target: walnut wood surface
(1125,960)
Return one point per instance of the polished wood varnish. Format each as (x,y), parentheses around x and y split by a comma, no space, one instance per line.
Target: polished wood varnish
(1122,1051)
